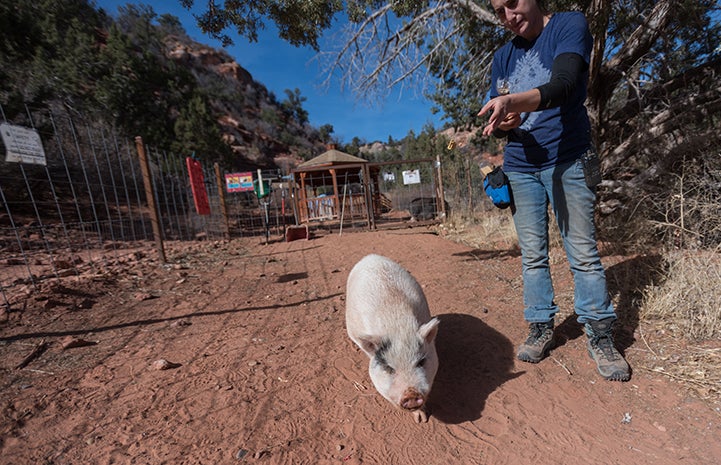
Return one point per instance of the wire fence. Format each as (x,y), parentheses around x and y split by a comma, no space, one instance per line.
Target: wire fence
(87,205)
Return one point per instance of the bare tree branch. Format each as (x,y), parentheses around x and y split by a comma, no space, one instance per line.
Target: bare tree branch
(480,13)
(692,77)
(647,179)
(382,52)
(635,47)
(669,124)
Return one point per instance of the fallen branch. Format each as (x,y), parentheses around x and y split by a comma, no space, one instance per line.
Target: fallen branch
(37,350)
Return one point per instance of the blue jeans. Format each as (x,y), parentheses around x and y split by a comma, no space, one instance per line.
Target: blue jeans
(564,187)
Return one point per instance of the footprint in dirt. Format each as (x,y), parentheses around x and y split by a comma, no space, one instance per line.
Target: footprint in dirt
(474,360)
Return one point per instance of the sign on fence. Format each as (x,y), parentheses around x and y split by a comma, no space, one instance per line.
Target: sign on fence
(22,145)
(197,185)
(239,182)
(412,177)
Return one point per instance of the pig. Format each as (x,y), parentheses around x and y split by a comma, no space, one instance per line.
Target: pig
(387,316)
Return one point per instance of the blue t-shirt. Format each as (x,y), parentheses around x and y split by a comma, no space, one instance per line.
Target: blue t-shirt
(557,135)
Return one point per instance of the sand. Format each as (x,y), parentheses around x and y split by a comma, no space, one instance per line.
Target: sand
(236,352)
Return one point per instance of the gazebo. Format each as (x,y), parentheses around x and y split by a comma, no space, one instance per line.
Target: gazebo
(333,186)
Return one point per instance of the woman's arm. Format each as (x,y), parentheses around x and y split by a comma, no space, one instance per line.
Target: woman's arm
(565,71)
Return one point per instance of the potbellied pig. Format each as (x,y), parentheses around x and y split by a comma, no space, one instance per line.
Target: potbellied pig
(387,316)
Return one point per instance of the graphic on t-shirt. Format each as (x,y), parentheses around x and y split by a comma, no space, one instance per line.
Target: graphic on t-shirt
(528,74)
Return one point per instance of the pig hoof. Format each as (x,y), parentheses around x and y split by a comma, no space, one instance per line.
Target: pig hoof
(420,416)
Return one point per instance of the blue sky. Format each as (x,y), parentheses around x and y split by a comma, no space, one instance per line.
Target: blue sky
(279,66)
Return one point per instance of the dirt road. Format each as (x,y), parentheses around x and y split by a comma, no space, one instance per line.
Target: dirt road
(262,370)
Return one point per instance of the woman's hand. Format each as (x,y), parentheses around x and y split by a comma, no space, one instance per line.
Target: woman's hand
(506,109)
(498,108)
(511,121)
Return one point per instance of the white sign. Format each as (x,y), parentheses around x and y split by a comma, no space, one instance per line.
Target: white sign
(412,177)
(22,145)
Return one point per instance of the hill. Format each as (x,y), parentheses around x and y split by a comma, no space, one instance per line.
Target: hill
(260,130)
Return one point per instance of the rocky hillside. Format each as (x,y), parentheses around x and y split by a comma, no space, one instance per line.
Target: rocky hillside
(260,130)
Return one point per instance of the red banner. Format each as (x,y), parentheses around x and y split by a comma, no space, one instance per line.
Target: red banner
(197,184)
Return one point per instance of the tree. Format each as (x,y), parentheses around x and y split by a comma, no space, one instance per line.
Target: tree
(197,132)
(299,22)
(324,133)
(48,48)
(293,106)
(354,146)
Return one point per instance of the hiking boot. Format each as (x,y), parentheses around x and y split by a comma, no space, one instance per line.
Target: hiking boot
(538,343)
(611,364)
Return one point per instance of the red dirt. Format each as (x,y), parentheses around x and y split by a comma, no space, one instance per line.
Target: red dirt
(262,371)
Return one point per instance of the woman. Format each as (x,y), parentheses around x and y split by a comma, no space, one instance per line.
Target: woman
(537,102)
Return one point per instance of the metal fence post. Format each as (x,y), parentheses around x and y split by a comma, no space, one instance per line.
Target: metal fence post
(149,194)
(440,193)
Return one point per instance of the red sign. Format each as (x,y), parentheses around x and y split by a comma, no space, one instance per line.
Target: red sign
(197,184)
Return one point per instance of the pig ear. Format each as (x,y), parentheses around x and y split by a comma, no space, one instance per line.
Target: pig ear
(369,344)
(428,331)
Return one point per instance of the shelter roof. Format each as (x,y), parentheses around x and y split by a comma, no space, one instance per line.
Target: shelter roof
(331,157)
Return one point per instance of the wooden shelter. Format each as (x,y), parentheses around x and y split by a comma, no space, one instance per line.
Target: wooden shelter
(333,186)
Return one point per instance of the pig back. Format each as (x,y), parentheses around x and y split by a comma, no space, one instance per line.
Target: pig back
(383,298)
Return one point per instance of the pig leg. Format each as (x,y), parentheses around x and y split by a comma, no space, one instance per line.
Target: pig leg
(420,415)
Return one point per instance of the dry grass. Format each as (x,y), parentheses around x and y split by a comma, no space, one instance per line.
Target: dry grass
(492,227)
(697,368)
(487,229)
(682,321)
(688,301)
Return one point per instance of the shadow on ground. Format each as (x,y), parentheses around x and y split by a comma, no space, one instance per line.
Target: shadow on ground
(627,281)
(474,360)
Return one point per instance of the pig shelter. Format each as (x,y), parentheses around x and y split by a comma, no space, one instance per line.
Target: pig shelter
(337,187)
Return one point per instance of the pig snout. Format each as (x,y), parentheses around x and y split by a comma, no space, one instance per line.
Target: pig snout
(412,399)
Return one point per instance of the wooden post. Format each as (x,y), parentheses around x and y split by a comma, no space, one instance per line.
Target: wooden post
(335,194)
(150,195)
(440,194)
(293,188)
(221,194)
(369,197)
(303,200)
(469,183)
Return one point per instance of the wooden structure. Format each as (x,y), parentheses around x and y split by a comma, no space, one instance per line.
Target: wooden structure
(334,186)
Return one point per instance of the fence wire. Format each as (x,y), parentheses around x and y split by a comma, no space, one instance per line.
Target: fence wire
(86,206)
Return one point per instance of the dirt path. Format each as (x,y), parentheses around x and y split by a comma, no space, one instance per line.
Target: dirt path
(266,373)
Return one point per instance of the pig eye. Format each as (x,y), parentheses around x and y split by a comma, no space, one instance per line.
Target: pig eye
(421,362)
(383,364)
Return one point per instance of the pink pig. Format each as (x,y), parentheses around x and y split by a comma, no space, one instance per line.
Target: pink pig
(387,316)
